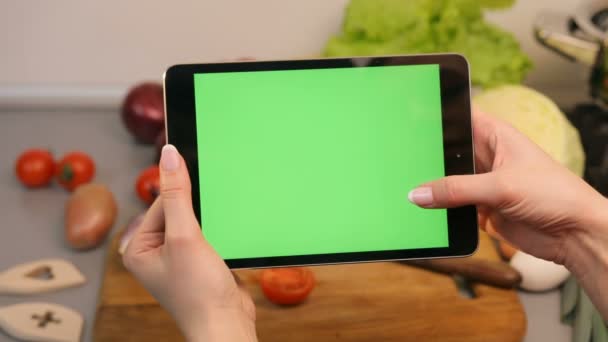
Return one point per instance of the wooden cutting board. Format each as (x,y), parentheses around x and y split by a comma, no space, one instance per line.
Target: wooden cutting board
(359,302)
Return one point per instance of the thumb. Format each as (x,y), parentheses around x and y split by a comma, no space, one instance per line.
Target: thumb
(175,193)
(457,191)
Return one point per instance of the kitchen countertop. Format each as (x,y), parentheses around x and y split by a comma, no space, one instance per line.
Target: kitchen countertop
(32,224)
(33,219)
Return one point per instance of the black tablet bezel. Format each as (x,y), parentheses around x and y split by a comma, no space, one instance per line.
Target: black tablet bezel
(457,143)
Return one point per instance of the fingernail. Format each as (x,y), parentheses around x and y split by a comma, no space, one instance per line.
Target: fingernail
(422,196)
(169,158)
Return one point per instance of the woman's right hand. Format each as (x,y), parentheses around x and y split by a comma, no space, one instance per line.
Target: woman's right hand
(171,258)
(533,202)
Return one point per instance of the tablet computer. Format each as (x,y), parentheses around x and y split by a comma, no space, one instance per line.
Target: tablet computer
(310,161)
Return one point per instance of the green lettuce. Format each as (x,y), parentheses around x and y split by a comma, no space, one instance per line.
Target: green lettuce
(381,27)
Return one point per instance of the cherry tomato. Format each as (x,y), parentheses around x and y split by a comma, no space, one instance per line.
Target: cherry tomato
(287,286)
(74,169)
(148,184)
(35,168)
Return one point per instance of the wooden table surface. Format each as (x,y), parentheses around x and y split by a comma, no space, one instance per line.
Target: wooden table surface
(355,302)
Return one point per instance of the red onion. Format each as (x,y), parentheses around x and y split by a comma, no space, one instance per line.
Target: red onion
(143,111)
(160,141)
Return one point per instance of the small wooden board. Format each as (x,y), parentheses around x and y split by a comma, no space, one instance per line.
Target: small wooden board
(358,302)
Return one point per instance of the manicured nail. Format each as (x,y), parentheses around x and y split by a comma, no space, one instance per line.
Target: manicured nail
(169,158)
(422,196)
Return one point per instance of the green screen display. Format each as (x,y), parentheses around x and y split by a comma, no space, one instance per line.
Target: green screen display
(302,162)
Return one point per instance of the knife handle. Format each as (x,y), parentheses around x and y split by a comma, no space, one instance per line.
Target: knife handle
(484,271)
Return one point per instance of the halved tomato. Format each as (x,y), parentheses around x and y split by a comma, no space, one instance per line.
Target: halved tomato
(287,286)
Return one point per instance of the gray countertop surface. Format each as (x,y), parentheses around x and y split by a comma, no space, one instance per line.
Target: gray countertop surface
(32,225)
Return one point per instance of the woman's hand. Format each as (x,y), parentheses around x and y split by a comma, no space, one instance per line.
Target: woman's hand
(533,202)
(169,255)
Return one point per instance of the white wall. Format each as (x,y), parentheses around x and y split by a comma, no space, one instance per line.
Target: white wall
(50,46)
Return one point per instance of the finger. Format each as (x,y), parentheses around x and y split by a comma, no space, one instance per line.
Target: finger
(175,194)
(237,279)
(491,229)
(486,131)
(483,216)
(484,135)
(457,191)
(148,234)
(154,221)
(482,220)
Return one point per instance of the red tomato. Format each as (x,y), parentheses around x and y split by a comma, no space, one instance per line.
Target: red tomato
(35,168)
(148,184)
(287,286)
(74,169)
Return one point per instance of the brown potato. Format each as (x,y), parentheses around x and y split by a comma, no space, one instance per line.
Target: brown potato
(89,215)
